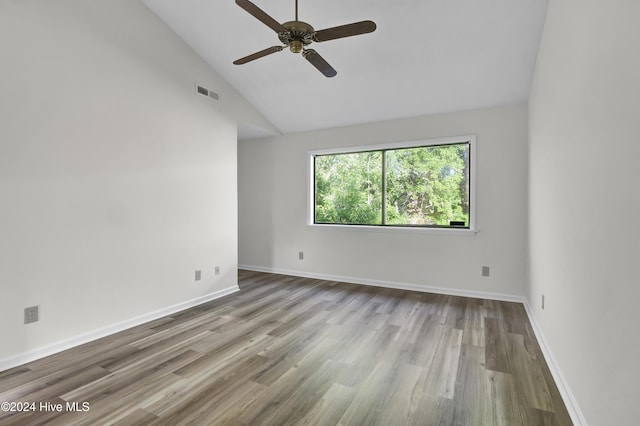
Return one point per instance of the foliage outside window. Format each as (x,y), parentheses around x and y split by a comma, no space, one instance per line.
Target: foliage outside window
(424,186)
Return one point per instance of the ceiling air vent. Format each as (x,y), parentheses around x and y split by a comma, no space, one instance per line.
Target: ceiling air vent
(206,92)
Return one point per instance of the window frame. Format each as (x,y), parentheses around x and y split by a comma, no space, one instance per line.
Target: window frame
(471,229)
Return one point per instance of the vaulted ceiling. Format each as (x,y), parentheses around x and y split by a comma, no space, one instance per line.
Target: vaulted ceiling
(426,57)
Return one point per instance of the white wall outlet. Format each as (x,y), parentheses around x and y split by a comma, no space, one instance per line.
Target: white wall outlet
(300,255)
(217,270)
(198,275)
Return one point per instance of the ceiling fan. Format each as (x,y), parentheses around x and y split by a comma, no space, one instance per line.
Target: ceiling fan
(297,35)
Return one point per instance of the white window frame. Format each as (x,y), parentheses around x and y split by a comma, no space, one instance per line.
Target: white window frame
(472,230)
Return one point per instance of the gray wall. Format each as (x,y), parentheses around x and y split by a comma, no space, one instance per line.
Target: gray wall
(117,182)
(273,193)
(584,202)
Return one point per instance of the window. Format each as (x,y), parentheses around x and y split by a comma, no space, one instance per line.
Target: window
(420,184)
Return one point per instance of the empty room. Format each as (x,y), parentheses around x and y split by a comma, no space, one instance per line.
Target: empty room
(337,212)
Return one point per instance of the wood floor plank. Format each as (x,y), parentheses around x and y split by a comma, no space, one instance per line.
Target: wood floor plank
(288,386)
(227,407)
(288,350)
(200,398)
(32,418)
(331,407)
(120,404)
(56,384)
(528,375)
(139,417)
(299,402)
(385,396)
(429,410)
(473,398)
(497,346)
(440,375)
(472,331)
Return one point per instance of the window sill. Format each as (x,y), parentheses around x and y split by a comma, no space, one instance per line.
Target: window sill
(395,229)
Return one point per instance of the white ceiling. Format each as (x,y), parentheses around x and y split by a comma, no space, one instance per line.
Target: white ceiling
(426,57)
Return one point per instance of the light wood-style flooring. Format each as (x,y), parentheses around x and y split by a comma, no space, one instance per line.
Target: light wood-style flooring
(288,350)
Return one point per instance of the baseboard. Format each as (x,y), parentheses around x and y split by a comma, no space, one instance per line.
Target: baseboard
(34,354)
(563,387)
(389,284)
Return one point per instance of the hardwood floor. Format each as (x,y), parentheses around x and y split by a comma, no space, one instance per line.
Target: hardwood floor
(289,350)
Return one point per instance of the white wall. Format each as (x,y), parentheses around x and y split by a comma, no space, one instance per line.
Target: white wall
(584,202)
(117,182)
(272,209)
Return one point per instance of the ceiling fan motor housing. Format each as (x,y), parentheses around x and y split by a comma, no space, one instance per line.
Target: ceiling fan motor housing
(299,34)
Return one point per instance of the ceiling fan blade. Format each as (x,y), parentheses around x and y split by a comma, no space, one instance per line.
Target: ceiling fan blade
(261,15)
(348,30)
(260,54)
(319,62)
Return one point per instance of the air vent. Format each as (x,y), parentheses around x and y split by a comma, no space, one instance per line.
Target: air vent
(206,92)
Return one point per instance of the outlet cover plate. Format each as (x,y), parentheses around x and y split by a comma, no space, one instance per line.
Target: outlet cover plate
(486,271)
(31,314)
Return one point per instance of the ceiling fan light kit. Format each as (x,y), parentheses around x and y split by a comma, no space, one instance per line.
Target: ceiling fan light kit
(297,35)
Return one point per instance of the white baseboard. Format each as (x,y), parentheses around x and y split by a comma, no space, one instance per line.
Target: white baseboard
(563,387)
(389,284)
(34,354)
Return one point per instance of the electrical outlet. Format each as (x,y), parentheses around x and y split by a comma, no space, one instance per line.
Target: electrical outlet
(217,270)
(301,255)
(485,271)
(542,304)
(31,314)
(198,275)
